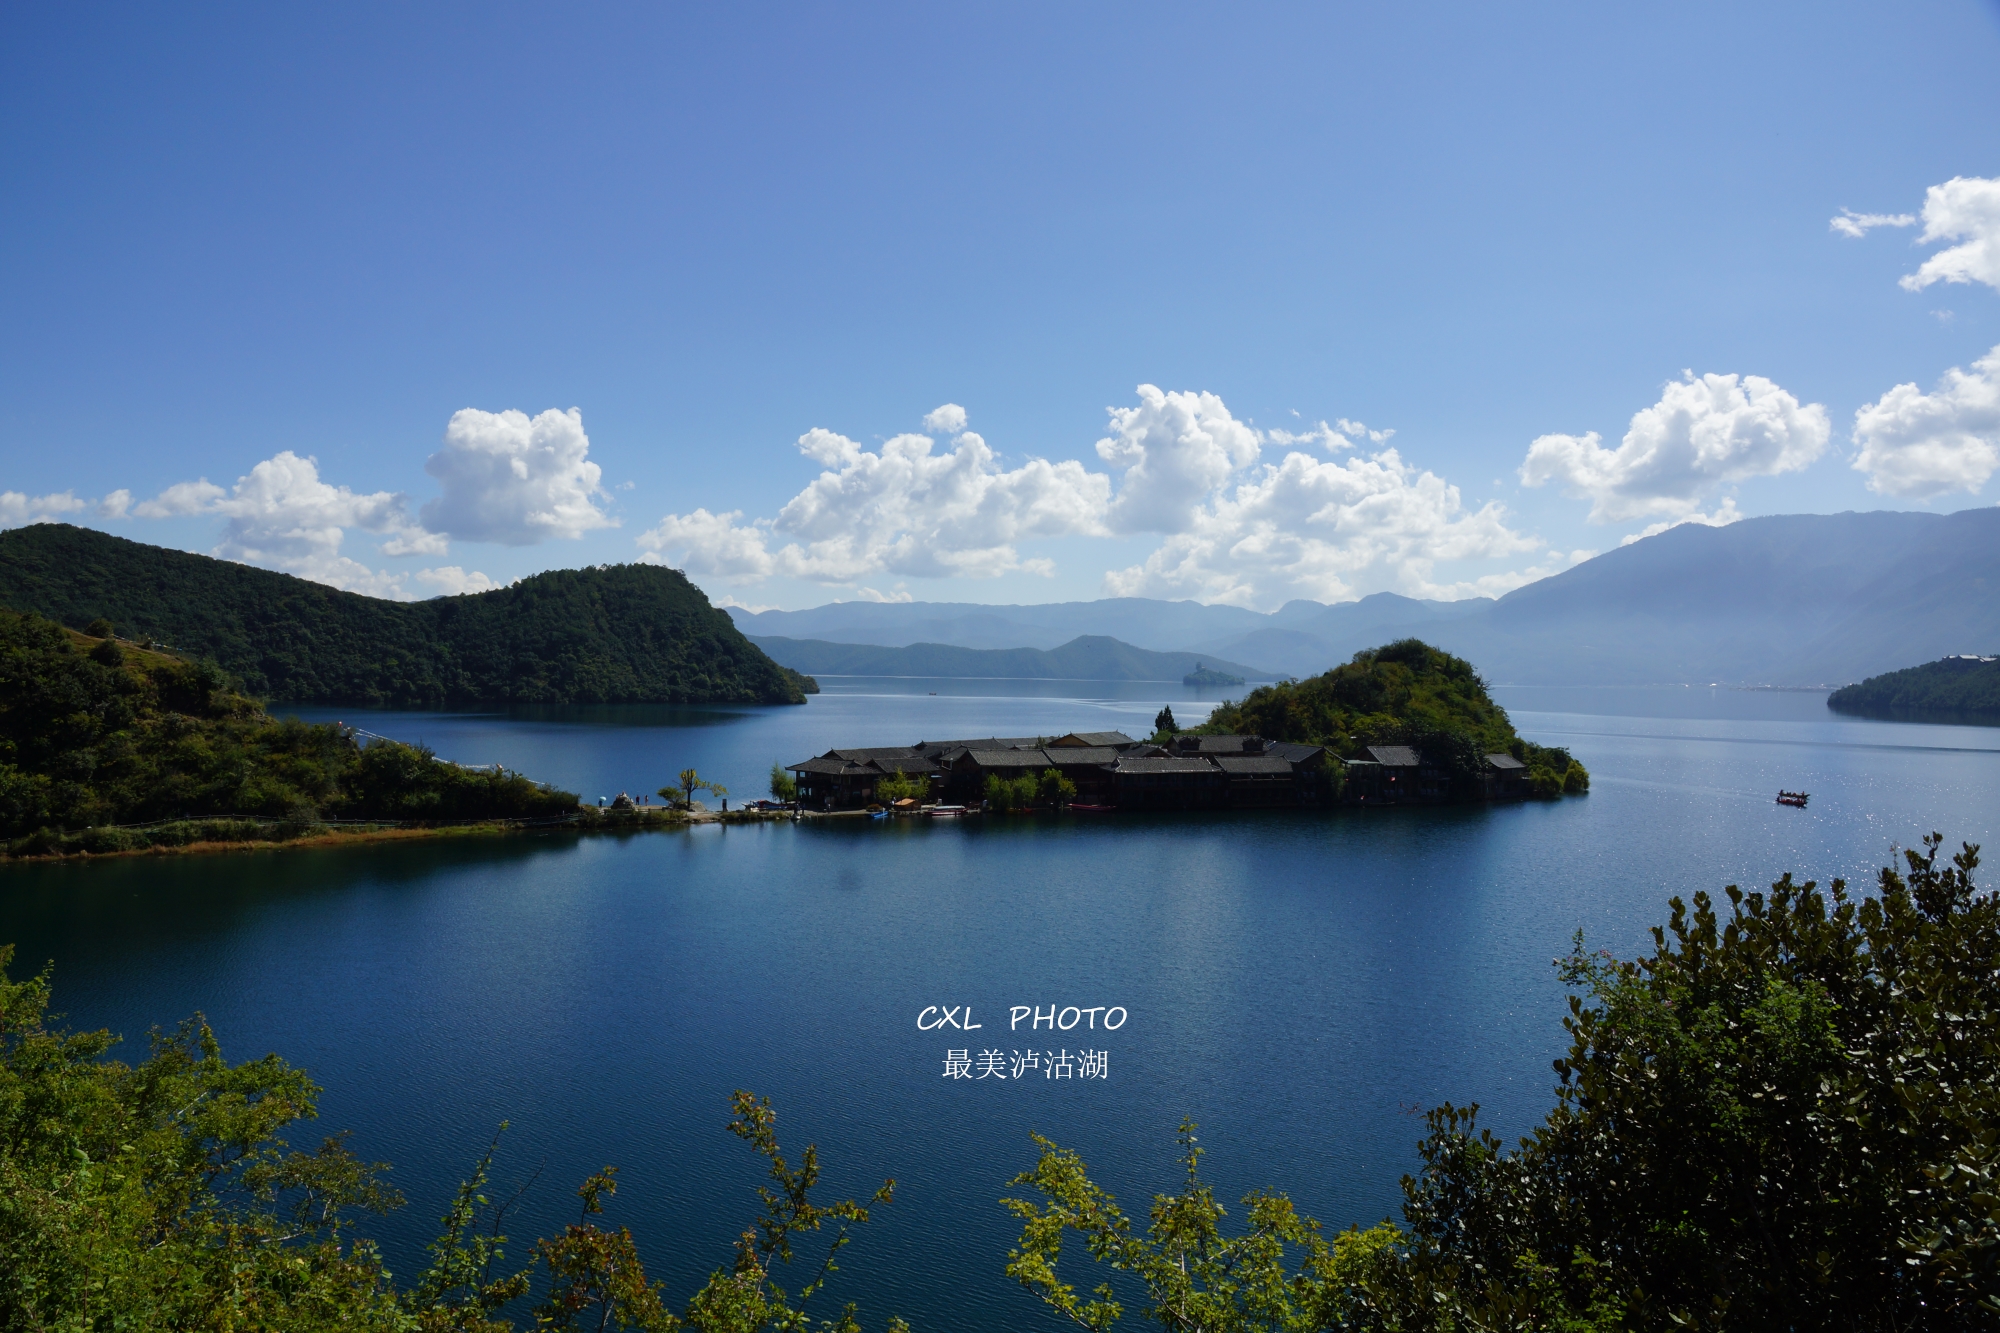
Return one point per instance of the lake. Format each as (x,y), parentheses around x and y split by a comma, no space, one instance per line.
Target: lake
(1302,985)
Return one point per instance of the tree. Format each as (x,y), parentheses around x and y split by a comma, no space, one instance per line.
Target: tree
(1788,1116)
(686,785)
(1054,789)
(1163,722)
(783,786)
(902,787)
(1280,1273)
(161,1196)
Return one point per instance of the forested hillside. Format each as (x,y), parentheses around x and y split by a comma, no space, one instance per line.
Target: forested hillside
(618,634)
(1403,693)
(1964,687)
(94,733)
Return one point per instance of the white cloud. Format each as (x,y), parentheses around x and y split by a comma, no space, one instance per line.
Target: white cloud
(946,420)
(897,595)
(1175,450)
(1920,444)
(451,580)
(514,479)
(282,516)
(116,504)
(1237,529)
(1964,208)
(1702,435)
(1325,530)
(902,510)
(18,509)
(1851,223)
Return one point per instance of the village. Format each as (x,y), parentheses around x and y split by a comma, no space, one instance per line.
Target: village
(1105,771)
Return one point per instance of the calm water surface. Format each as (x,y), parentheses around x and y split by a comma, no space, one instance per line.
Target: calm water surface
(1300,985)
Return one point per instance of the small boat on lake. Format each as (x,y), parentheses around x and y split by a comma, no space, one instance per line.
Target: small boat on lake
(1092,809)
(1797,798)
(945,811)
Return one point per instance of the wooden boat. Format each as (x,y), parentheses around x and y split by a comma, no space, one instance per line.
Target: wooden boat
(945,811)
(1092,809)
(1797,798)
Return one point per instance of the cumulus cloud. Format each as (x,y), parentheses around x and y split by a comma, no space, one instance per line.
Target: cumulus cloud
(1919,445)
(451,580)
(1305,527)
(902,509)
(1851,223)
(283,516)
(1236,528)
(1965,209)
(1175,449)
(515,479)
(1702,435)
(18,509)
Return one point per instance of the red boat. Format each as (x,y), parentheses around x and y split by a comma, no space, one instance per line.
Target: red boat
(1092,809)
(1797,798)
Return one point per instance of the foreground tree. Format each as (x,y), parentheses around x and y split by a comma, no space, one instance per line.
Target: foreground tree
(161,1196)
(686,784)
(1786,1117)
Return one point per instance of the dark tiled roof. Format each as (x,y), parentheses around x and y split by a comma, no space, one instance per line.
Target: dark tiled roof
(1009,758)
(1254,763)
(1504,761)
(879,752)
(1395,756)
(904,763)
(1293,751)
(1164,766)
(1069,756)
(824,765)
(1083,739)
(981,743)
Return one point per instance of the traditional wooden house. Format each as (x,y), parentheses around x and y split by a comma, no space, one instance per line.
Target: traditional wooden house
(1504,778)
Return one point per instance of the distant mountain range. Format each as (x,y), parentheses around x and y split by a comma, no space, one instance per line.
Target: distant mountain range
(1804,599)
(616,634)
(1086,657)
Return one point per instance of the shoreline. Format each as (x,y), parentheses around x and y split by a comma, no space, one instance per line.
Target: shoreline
(652,821)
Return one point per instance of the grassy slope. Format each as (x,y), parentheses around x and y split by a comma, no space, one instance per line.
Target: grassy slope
(623,634)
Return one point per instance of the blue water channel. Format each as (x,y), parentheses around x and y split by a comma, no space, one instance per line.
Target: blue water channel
(1302,985)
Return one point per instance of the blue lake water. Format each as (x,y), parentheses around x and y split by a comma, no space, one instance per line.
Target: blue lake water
(1302,985)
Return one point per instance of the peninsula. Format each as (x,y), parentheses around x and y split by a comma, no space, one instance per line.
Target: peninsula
(612,634)
(1962,688)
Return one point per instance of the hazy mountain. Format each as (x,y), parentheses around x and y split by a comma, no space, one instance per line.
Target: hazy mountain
(1792,599)
(1087,657)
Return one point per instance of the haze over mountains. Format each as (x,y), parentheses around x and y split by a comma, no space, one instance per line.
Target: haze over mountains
(1804,599)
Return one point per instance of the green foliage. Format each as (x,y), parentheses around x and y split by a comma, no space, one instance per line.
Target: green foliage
(162,1196)
(783,786)
(903,787)
(1785,1117)
(1403,693)
(1012,793)
(1054,789)
(686,784)
(1163,722)
(614,634)
(1278,1274)
(88,740)
(1955,687)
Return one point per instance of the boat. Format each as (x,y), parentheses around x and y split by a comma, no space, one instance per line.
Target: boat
(945,811)
(1797,798)
(1091,809)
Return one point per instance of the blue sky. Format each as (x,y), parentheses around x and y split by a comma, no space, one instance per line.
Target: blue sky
(313,259)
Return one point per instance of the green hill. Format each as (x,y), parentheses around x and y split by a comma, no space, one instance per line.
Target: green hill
(1403,693)
(1086,657)
(1965,688)
(94,733)
(613,634)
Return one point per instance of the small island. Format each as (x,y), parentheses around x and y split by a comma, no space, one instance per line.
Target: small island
(1961,688)
(1209,676)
